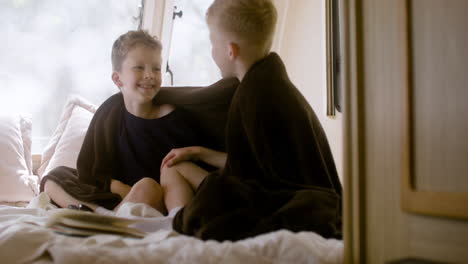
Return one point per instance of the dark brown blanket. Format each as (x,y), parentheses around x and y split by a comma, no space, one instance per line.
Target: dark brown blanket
(90,182)
(280,173)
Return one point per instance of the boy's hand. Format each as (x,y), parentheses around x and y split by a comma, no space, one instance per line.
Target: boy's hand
(181,154)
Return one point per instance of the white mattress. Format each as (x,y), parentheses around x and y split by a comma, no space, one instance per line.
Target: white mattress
(24,239)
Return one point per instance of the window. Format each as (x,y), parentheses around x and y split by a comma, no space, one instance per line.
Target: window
(52,49)
(189,57)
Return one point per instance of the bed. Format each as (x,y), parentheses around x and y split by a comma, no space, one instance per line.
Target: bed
(24,212)
(24,239)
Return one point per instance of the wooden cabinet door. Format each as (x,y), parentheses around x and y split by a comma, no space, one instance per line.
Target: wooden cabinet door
(407,110)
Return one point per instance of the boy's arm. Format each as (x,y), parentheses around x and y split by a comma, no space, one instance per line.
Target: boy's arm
(209,156)
(212,157)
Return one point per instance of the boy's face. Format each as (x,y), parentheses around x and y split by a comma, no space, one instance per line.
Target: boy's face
(220,51)
(139,78)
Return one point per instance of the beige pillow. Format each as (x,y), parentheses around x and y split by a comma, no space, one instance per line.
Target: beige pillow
(65,144)
(16,180)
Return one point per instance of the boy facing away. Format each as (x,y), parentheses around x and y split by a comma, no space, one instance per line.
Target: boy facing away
(279,172)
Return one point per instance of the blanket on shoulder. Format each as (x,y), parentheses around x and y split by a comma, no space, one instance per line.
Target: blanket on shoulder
(96,164)
(280,173)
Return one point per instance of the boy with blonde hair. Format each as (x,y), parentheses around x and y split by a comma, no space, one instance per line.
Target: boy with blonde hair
(279,172)
(245,29)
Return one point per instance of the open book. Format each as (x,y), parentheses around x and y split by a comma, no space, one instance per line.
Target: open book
(81,223)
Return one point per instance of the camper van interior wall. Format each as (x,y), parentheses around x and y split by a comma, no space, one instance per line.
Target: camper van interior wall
(222,99)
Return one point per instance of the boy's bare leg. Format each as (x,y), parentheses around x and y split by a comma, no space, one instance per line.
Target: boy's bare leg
(179,183)
(146,191)
(119,188)
(62,198)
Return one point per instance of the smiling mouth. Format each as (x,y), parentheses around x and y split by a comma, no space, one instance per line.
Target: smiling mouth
(147,86)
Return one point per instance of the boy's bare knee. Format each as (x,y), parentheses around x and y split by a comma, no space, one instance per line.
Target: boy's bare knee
(148,191)
(147,184)
(147,187)
(183,166)
(166,173)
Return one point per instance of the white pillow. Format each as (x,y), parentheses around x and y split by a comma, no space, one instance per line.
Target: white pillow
(16,180)
(65,144)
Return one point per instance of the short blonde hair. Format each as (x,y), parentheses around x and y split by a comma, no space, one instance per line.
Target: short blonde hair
(129,40)
(252,21)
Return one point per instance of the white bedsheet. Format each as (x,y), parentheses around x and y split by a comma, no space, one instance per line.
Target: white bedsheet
(23,239)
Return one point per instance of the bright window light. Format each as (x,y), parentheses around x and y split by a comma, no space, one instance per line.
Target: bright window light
(190,52)
(51,49)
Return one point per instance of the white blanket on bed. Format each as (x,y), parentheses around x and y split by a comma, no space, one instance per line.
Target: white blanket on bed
(23,239)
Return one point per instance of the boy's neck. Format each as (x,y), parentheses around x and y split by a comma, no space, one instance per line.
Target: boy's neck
(242,70)
(146,111)
(244,65)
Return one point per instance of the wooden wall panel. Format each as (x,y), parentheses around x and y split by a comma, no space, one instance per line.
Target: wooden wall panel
(382,79)
(439,48)
(434,151)
(391,233)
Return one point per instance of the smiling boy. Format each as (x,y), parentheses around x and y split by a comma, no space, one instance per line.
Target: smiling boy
(128,137)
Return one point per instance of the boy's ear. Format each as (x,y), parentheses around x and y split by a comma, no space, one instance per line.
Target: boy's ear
(116,79)
(233,50)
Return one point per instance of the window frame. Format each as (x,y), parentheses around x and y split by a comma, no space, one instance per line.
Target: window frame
(157,19)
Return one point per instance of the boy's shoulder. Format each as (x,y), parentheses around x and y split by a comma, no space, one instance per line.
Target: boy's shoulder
(115,100)
(110,111)
(269,83)
(268,74)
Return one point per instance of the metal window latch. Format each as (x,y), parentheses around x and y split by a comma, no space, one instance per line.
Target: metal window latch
(139,18)
(177,14)
(168,70)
